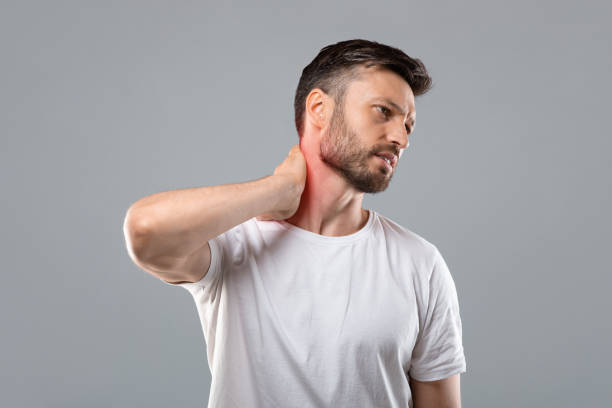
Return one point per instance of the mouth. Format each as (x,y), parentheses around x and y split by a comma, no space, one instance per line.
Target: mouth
(388,158)
(386,161)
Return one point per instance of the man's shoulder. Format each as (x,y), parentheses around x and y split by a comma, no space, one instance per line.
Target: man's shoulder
(406,238)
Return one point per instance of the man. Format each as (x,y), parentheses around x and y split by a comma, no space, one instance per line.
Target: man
(305,298)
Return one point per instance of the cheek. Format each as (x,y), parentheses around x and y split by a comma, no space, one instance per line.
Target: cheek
(360,120)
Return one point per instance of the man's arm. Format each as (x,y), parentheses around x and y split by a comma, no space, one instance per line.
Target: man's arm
(167,233)
(443,393)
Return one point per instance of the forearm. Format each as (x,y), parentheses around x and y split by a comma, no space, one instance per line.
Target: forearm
(175,223)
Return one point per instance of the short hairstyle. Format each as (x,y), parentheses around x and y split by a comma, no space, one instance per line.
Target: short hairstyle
(336,65)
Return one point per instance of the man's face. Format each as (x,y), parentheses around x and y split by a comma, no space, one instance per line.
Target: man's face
(369,124)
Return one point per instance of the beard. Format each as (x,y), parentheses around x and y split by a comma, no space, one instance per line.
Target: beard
(340,149)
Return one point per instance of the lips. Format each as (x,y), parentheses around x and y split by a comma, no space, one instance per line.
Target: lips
(392,157)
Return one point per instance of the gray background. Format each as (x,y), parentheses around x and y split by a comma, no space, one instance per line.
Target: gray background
(508,173)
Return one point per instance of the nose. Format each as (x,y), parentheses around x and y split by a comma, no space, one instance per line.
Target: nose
(399,135)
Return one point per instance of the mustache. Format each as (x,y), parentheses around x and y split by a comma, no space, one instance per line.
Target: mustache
(391,149)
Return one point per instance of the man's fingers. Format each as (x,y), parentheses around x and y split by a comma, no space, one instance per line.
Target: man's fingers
(294,149)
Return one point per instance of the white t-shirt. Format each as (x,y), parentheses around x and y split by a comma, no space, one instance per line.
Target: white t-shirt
(292,318)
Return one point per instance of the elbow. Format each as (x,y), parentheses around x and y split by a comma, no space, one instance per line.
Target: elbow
(136,230)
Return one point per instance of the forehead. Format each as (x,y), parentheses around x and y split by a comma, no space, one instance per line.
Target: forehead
(376,83)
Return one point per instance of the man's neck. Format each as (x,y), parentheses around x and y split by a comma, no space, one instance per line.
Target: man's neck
(328,206)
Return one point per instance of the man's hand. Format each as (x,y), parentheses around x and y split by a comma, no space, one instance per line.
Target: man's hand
(292,172)
(443,393)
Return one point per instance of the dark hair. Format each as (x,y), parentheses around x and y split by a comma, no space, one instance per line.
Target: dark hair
(335,66)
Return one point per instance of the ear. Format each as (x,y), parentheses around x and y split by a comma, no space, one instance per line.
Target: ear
(317,107)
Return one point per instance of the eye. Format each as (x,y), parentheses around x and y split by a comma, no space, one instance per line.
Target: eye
(385,111)
(410,127)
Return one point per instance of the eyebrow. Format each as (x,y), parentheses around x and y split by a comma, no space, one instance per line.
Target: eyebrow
(396,107)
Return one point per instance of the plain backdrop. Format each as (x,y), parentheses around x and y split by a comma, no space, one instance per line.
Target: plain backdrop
(508,172)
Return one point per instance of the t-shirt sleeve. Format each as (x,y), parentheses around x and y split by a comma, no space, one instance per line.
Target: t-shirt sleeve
(211,280)
(438,351)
